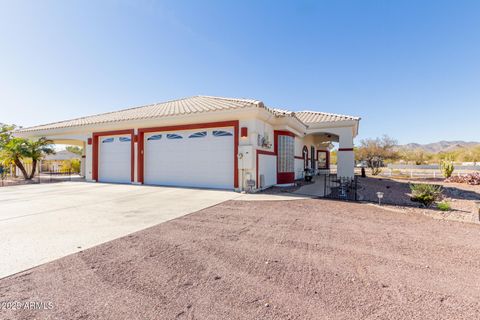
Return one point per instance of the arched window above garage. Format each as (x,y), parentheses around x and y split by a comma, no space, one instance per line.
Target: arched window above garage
(174,136)
(221,133)
(155,137)
(200,134)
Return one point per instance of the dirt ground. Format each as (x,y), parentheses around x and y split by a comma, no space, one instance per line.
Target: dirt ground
(397,193)
(303,259)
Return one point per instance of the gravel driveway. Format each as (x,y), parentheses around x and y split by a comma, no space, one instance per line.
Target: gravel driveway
(303,259)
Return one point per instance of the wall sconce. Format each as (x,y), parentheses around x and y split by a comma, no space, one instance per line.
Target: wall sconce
(244,132)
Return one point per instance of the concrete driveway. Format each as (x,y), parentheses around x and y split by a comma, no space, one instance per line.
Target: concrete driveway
(41,223)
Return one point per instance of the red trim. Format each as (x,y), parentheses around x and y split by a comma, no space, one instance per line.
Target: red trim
(345,149)
(270,153)
(244,132)
(141,141)
(283,177)
(95,151)
(89,141)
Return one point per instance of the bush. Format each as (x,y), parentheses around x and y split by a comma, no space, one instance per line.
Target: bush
(426,194)
(446,166)
(444,206)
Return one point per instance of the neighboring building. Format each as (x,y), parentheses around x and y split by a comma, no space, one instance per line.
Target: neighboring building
(206,141)
(56,162)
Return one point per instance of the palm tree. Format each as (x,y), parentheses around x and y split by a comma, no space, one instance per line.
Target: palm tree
(17,149)
(36,149)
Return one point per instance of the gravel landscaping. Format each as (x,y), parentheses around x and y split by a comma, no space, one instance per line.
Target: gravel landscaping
(397,195)
(302,259)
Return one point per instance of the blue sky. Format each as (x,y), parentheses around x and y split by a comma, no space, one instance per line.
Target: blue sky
(410,69)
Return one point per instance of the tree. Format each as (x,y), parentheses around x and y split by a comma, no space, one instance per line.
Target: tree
(13,152)
(17,149)
(75,149)
(6,133)
(375,152)
(417,156)
(36,150)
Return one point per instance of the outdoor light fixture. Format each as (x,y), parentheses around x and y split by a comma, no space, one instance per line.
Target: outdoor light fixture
(244,132)
(380,197)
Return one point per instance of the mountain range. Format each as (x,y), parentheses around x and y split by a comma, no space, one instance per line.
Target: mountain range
(441,146)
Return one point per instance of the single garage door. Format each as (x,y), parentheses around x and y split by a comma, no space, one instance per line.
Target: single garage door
(199,158)
(114,163)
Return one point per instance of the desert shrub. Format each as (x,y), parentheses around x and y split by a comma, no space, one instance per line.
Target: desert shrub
(470,178)
(426,194)
(444,206)
(446,166)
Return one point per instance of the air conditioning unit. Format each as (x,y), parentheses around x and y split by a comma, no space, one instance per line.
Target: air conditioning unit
(262,181)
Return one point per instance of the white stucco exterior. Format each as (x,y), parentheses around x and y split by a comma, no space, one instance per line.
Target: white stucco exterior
(260,125)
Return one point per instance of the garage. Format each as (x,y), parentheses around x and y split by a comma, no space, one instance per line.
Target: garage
(115,158)
(190,158)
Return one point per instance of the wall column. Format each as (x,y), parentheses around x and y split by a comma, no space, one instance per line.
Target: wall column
(82,160)
(88,158)
(345,156)
(136,136)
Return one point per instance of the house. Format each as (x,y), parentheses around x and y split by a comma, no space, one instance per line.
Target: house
(56,162)
(205,141)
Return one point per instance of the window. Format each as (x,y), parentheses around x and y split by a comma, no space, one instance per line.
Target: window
(155,137)
(201,134)
(174,136)
(124,139)
(220,133)
(108,140)
(285,154)
(305,157)
(322,159)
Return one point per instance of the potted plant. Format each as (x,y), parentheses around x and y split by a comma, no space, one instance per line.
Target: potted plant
(308,175)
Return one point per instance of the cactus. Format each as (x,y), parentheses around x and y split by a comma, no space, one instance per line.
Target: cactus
(446,166)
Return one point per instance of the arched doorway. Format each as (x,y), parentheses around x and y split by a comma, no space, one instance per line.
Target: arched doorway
(305,157)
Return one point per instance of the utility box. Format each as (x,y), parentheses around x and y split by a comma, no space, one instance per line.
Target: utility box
(245,157)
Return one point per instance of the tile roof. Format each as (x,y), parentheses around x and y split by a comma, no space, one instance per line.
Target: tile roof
(185,106)
(309,117)
(62,155)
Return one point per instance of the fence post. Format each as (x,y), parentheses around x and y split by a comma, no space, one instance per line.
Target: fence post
(325,185)
(356,186)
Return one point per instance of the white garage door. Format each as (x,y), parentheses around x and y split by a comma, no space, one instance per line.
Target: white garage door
(199,158)
(114,163)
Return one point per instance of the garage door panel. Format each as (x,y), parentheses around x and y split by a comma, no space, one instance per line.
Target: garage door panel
(115,159)
(201,161)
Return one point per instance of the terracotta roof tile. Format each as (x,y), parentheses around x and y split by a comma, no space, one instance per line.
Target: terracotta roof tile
(192,105)
(309,117)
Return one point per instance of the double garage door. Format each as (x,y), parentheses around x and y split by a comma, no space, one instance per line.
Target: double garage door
(194,158)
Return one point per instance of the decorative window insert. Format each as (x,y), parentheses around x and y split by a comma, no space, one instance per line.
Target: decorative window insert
(221,133)
(201,134)
(174,136)
(155,137)
(124,139)
(286,154)
(322,159)
(108,140)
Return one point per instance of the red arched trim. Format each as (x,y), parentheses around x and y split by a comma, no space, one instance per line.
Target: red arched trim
(95,137)
(233,123)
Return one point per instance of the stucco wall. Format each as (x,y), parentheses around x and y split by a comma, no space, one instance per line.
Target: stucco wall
(299,169)
(268,167)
